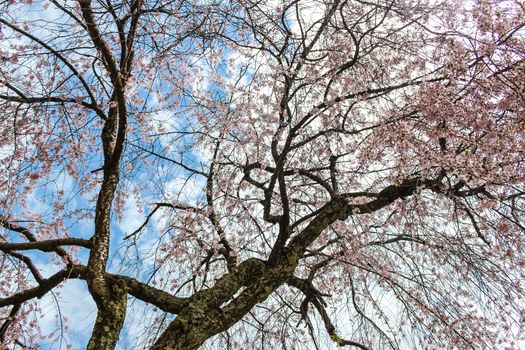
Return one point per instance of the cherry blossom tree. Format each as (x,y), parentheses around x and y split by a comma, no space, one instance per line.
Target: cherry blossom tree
(308,173)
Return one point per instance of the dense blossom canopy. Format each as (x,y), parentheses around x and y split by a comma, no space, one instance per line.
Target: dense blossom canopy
(252,174)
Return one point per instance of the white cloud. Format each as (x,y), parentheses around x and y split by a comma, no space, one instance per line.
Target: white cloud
(187,190)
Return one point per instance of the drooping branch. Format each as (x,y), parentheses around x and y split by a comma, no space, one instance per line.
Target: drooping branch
(160,156)
(28,262)
(313,296)
(227,251)
(155,209)
(8,321)
(64,60)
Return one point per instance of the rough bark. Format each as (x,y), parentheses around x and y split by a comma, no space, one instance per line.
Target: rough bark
(109,296)
(110,317)
(205,315)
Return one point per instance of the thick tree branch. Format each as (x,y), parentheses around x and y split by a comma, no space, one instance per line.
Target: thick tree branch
(340,209)
(203,316)
(44,286)
(11,226)
(49,245)
(161,299)
(109,297)
(48,99)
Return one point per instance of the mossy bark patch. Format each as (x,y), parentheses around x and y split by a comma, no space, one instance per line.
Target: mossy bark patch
(110,317)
